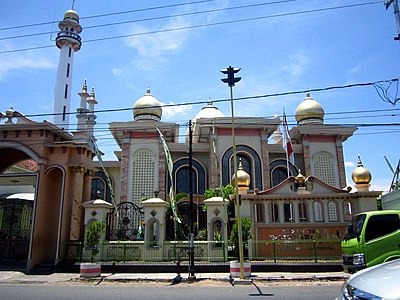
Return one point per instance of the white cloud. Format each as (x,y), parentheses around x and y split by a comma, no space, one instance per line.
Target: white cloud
(349,164)
(172,110)
(157,44)
(12,62)
(119,71)
(297,64)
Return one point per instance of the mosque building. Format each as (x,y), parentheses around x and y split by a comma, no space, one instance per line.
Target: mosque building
(307,199)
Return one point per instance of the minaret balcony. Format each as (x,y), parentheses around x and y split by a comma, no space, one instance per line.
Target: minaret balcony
(65,37)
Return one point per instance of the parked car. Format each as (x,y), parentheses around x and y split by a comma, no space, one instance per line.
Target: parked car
(378,282)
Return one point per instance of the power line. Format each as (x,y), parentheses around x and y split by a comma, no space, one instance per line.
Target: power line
(158,18)
(237,99)
(206,25)
(109,14)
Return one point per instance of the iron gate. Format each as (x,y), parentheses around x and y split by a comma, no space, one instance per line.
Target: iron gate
(127,224)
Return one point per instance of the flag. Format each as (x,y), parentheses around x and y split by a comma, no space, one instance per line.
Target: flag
(170,167)
(287,142)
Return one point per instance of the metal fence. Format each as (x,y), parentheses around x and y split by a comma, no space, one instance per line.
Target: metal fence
(209,251)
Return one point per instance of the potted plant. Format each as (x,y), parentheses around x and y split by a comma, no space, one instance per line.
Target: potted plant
(234,239)
(92,240)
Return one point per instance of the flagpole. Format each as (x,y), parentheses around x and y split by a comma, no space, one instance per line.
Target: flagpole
(285,141)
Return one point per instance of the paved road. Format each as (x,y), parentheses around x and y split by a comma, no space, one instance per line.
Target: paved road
(202,290)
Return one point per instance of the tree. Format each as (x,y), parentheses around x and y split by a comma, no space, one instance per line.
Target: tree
(93,235)
(246,234)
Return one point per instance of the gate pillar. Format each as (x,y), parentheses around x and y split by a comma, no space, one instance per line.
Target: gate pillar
(217,229)
(155,210)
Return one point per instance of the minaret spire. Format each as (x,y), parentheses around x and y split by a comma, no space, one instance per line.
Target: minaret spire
(69,42)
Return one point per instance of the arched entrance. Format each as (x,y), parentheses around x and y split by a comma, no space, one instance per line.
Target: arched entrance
(18,177)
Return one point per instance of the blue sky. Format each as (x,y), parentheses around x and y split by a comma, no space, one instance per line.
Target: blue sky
(281,46)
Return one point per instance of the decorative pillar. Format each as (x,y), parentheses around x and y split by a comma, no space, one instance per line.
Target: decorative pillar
(265,164)
(217,212)
(341,167)
(155,210)
(124,170)
(77,196)
(162,174)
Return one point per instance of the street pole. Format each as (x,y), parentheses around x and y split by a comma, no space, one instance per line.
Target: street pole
(231,83)
(191,215)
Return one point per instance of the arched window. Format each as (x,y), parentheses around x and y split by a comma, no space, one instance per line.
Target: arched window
(323,167)
(273,212)
(182,181)
(143,172)
(259,212)
(347,210)
(152,232)
(288,212)
(317,210)
(217,233)
(181,176)
(303,215)
(279,171)
(99,187)
(333,211)
(279,174)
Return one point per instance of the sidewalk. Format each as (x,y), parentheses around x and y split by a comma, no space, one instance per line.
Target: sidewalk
(17,277)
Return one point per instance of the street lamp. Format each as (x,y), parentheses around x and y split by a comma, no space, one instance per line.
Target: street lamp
(231,80)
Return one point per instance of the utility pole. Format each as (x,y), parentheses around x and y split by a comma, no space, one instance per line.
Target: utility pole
(396,14)
(192,277)
(231,80)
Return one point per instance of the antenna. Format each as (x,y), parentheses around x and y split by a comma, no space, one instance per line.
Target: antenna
(73,4)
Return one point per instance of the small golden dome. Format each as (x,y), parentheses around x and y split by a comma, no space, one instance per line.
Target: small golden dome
(360,174)
(243,177)
(71,15)
(309,112)
(300,178)
(147,108)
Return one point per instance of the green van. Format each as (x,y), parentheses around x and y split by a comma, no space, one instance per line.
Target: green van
(372,238)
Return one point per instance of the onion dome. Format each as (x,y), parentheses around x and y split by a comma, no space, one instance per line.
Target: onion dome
(71,18)
(243,177)
(147,108)
(209,111)
(71,15)
(360,174)
(309,112)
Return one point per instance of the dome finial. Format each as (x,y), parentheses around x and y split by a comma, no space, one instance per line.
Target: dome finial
(148,90)
(308,94)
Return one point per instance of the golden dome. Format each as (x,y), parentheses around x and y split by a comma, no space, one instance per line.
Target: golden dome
(147,108)
(71,15)
(360,174)
(309,112)
(243,177)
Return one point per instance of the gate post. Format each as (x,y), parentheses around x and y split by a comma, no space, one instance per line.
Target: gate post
(155,210)
(96,210)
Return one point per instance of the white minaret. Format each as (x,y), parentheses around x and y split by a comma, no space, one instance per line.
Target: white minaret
(91,117)
(82,109)
(69,42)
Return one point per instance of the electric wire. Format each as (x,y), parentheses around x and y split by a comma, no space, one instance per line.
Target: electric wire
(108,14)
(203,25)
(353,85)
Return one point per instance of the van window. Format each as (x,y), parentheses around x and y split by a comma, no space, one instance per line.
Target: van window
(381,225)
